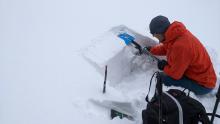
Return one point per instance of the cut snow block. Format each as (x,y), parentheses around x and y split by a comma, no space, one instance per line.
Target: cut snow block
(108,49)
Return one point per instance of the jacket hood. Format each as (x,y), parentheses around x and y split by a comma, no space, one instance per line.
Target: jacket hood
(175,30)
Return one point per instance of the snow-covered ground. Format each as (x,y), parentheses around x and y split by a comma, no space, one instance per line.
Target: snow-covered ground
(43,77)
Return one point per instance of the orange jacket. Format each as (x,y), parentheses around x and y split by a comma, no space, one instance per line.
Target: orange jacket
(185,56)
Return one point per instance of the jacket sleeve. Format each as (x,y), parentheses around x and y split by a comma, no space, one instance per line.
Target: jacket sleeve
(178,62)
(159,50)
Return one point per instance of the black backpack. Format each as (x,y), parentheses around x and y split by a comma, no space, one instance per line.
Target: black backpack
(191,112)
(173,107)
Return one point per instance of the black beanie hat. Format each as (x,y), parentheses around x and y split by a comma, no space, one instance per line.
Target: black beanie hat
(159,25)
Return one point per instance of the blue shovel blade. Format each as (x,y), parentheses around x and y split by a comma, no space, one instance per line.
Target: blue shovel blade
(126,37)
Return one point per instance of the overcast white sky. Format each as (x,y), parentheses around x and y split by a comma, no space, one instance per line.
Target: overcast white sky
(39,37)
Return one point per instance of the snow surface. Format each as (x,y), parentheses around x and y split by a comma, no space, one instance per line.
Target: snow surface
(133,72)
(44,79)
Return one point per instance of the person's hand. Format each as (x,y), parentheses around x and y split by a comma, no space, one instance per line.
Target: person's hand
(161,64)
(144,50)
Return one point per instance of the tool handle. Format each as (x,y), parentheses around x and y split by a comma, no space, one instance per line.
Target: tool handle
(104,85)
(138,46)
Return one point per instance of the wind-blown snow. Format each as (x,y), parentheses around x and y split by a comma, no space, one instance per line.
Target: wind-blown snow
(44,79)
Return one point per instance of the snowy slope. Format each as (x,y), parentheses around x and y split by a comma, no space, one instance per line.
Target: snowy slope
(134,80)
(44,79)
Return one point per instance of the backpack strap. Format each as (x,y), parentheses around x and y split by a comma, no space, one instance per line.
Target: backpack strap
(179,107)
(188,91)
(216,105)
(147,97)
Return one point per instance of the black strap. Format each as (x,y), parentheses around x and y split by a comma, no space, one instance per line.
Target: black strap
(216,105)
(147,97)
(184,89)
(216,115)
(188,94)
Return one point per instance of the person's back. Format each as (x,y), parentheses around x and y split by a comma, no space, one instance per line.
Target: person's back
(200,68)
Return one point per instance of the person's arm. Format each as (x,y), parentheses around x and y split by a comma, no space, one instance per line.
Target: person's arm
(159,50)
(178,62)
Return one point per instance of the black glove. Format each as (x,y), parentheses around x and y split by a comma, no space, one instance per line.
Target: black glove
(161,64)
(146,49)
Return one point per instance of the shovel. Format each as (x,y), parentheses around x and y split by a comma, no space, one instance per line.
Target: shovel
(130,40)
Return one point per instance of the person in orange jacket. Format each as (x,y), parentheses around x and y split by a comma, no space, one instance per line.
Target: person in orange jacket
(188,64)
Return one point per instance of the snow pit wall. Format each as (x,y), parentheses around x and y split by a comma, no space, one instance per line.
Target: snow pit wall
(108,49)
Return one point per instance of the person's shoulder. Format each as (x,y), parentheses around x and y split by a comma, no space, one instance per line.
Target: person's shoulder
(182,48)
(181,43)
